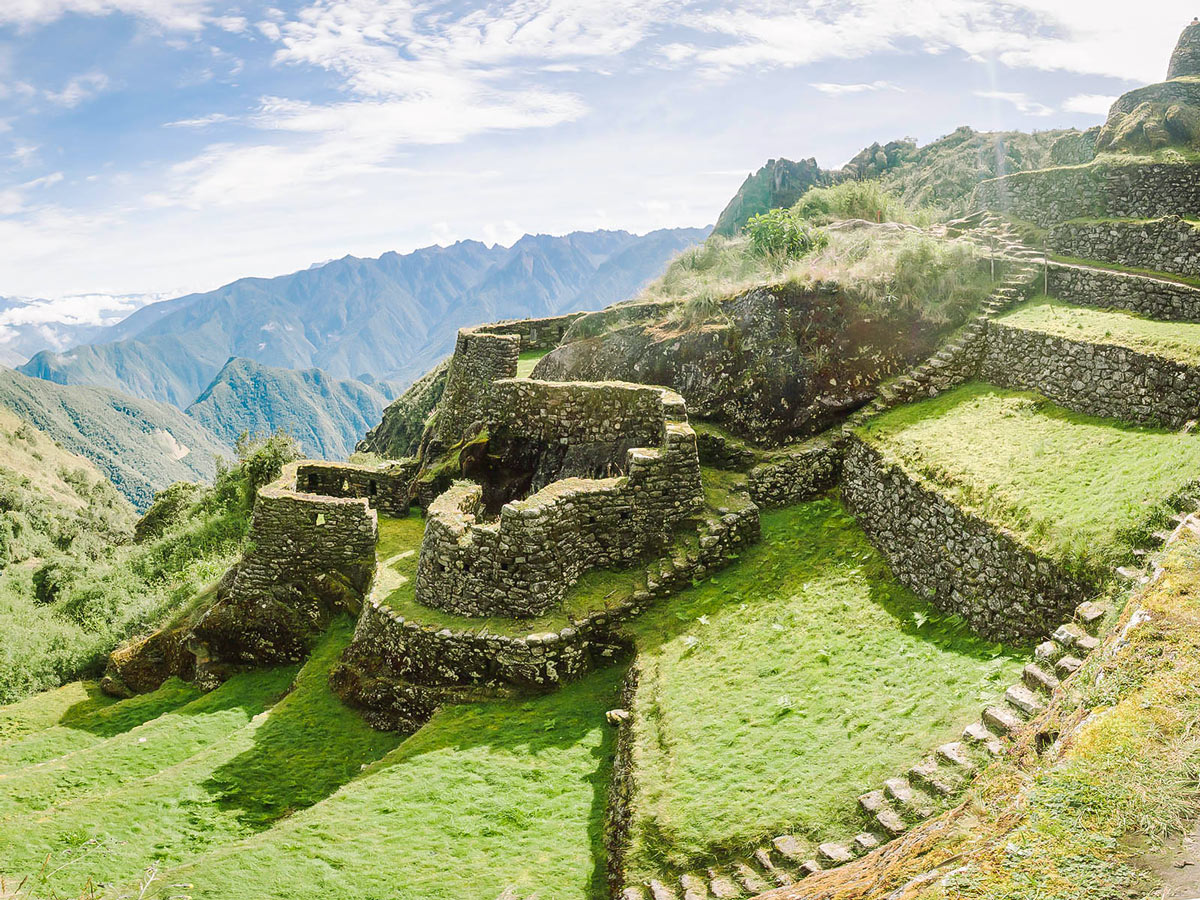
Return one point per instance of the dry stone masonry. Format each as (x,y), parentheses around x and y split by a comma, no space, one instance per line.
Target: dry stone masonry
(1100,379)
(1169,244)
(385,487)
(1155,298)
(522,564)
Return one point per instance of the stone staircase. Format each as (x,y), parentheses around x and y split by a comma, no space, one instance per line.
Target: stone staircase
(957,361)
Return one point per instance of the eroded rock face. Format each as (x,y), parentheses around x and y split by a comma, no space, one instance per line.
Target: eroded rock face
(1185,61)
(772,363)
(1153,117)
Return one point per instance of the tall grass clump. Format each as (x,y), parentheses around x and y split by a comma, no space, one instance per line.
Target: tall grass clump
(867,200)
(76,594)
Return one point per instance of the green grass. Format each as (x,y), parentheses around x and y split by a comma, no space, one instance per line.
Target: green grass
(527,360)
(217,769)
(1075,487)
(1178,341)
(484,797)
(774,693)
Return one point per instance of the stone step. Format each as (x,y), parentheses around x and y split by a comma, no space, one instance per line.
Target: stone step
(748,878)
(793,851)
(1047,652)
(870,803)
(693,887)
(659,891)
(929,775)
(865,842)
(1001,720)
(810,867)
(890,822)
(1072,635)
(977,735)
(956,755)
(633,893)
(1024,701)
(722,886)
(1137,576)
(1090,614)
(908,800)
(834,853)
(765,862)
(1067,666)
(1038,679)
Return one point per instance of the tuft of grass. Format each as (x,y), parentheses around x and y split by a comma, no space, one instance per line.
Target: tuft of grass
(774,693)
(1075,487)
(1177,341)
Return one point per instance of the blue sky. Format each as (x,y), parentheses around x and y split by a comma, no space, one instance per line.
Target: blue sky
(171,145)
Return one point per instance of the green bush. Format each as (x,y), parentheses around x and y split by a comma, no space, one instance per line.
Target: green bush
(856,200)
(781,235)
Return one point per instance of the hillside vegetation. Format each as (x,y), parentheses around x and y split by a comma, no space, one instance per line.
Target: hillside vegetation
(82,576)
(325,415)
(139,445)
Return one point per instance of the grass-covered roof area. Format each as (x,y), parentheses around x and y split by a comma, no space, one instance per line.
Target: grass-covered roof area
(1178,341)
(774,693)
(1076,487)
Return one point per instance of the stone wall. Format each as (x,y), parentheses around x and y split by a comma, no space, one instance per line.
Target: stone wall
(1151,297)
(1170,244)
(385,488)
(956,560)
(536,334)
(522,564)
(584,412)
(479,360)
(1097,379)
(420,655)
(1129,191)
(796,475)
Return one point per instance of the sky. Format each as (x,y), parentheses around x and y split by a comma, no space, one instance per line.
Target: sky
(164,146)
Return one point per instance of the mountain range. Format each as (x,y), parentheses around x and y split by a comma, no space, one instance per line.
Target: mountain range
(388,318)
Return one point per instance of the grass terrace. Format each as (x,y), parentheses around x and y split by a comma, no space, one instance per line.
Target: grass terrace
(1127,270)
(1177,341)
(1079,489)
(774,693)
(527,360)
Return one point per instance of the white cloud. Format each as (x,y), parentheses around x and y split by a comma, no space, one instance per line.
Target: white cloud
(1092,104)
(838,90)
(177,14)
(78,89)
(202,121)
(1021,101)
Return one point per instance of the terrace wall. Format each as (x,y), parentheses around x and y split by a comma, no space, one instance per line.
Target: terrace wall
(956,560)
(1132,191)
(1170,244)
(1150,297)
(535,334)
(1097,379)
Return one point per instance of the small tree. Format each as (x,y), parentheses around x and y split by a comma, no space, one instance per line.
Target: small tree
(781,235)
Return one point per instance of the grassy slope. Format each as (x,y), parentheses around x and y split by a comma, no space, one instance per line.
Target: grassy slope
(1178,341)
(1075,821)
(484,797)
(217,768)
(774,693)
(1073,485)
(527,361)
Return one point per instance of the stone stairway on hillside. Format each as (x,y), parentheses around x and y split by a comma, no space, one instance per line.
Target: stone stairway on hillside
(928,788)
(957,361)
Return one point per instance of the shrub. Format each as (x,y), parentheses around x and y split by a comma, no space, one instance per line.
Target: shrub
(857,200)
(781,235)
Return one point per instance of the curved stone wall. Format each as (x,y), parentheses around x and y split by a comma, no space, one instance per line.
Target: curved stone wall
(1097,379)
(1151,297)
(1170,244)
(521,565)
(954,559)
